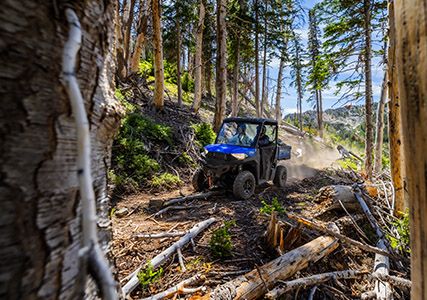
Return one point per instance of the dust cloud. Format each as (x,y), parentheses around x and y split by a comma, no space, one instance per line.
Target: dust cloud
(308,156)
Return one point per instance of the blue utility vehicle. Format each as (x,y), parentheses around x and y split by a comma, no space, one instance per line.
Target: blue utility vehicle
(246,153)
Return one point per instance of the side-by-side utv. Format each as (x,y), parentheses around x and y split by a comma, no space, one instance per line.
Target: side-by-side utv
(246,153)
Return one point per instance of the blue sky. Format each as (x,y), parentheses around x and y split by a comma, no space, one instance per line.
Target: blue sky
(289,97)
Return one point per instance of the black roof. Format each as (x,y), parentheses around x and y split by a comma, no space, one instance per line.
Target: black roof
(251,120)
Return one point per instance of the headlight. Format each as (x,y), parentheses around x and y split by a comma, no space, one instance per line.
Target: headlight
(239,156)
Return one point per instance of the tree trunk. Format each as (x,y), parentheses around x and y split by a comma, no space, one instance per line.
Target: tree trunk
(368,90)
(380,128)
(278,110)
(320,118)
(127,22)
(158,56)
(411,66)
(264,72)
(140,38)
(234,101)
(257,102)
(397,166)
(41,211)
(120,54)
(221,65)
(198,60)
(178,61)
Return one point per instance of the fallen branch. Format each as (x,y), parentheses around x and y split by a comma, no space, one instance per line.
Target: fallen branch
(311,280)
(180,288)
(256,283)
(159,235)
(163,202)
(339,236)
(175,207)
(162,257)
(383,290)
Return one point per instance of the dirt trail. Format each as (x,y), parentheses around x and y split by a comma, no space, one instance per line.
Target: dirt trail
(249,248)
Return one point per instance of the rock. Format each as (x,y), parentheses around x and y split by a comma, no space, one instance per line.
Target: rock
(122,212)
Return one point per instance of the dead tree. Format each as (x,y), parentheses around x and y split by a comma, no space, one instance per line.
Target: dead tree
(411,65)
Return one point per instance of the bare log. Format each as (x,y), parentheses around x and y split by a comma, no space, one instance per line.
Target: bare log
(382,289)
(163,202)
(339,236)
(180,288)
(312,280)
(159,235)
(337,195)
(162,257)
(174,207)
(256,283)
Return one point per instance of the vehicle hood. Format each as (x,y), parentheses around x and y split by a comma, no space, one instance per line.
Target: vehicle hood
(230,149)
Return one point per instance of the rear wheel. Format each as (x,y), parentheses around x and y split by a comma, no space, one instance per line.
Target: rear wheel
(200,181)
(281,176)
(244,185)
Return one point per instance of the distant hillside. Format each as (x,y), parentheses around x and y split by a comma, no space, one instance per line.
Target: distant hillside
(344,124)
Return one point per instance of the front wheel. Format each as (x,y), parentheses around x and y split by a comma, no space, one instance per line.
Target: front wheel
(281,176)
(244,185)
(200,181)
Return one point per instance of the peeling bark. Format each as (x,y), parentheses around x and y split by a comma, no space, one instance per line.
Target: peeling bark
(411,63)
(40,227)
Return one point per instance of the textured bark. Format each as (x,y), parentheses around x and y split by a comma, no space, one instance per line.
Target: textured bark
(221,65)
(264,72)
(380,128)
(257,102)
(127,24)
(397,166)
(234,100)
(278,110)
(198,59)
(120,54)
(369,142)
(178,62)
(320,116)
(40,229)
(411,63)
(158,57)
(140,37)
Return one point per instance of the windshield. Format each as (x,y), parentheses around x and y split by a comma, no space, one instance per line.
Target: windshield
(238,134)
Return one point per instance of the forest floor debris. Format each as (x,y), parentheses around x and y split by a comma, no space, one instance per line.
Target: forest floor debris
(133,245)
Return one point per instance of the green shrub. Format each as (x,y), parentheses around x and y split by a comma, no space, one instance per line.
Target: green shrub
(136,125)
(220,244)
(146,68)
(348,163)
(170,72)
(129,107)
(187,82)
(204,133)
(274,206)
(149,275)
(186,160)
(402,227)
(165,180)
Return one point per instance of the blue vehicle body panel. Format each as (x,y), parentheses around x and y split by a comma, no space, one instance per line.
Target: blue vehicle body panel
(230,149)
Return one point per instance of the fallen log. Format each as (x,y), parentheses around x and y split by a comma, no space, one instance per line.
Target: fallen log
(175,207)
(257,282)
(339,236)
(179,289)
(311,280)
(383,289)
(333,197)
(162,257)
(166,202)
(159,235)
